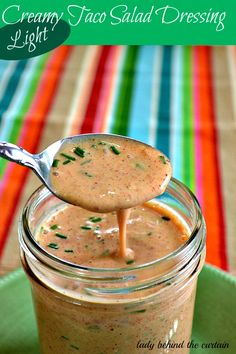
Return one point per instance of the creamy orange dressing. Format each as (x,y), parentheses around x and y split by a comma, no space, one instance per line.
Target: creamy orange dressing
(122,218)
(112,174)
(91,239)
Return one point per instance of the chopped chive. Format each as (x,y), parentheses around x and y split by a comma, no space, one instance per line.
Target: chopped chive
(95,219)
(93,327)
(78,151)
(166,218)
(102,143)
(130,261)
(69,251)
(162,158)
(41,229)
(54,227)
(115,150)
(106,253)
(139,311)
(55,163)
(60,235)
(64,337)
(53,245)
(86,227)
(66,162)
(149,233)
(86,246)
(74,347)
(94,146)
(68,156)
(139,165)
(85,162)
(87,174)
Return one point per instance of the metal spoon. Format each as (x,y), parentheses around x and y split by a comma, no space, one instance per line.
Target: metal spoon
(41,163)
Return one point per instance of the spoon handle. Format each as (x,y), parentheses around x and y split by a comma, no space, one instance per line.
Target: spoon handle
(17,154)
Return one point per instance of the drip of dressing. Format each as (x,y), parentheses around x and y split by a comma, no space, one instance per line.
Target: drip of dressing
(122,218)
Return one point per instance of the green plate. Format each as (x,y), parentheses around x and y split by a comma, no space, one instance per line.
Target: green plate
(214,320)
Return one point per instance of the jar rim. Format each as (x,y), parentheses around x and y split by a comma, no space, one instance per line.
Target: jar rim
(42,191)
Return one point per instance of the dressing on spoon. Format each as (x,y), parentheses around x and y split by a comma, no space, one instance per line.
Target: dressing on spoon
(110,173)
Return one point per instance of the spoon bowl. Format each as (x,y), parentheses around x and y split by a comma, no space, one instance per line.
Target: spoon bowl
(42,163)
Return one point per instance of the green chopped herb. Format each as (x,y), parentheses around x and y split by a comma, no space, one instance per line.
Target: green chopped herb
(41,229)
(139,311)
(139,165)
(74,346)
(55,163)
(69,157)
(149,233)
(69,251)
(166,218)
(102,143)
(80,152)
(86,227)
(94,146)
(53,245)
(86,246)
(85,162)
(93,327)
(64,337)
(162,158)
(130,261)
(54,227)
(66,162)
(95,219)
(115,150)
(60,235)
(106,253)
(168,283)
(87,174)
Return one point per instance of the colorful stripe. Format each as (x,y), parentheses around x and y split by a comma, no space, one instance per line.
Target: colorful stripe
(163,127)
(29,139)
(83,83)
(154,98)
(197,128)
(140,111)
(212,198)
(188,146)
(91,111)
(121,123)
(18,119)
(165,96)
(10,115)
(176,142)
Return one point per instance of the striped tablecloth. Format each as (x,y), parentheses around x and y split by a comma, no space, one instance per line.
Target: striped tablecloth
(180,99)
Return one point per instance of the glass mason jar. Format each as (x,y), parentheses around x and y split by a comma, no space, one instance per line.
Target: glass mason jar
(130,310)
